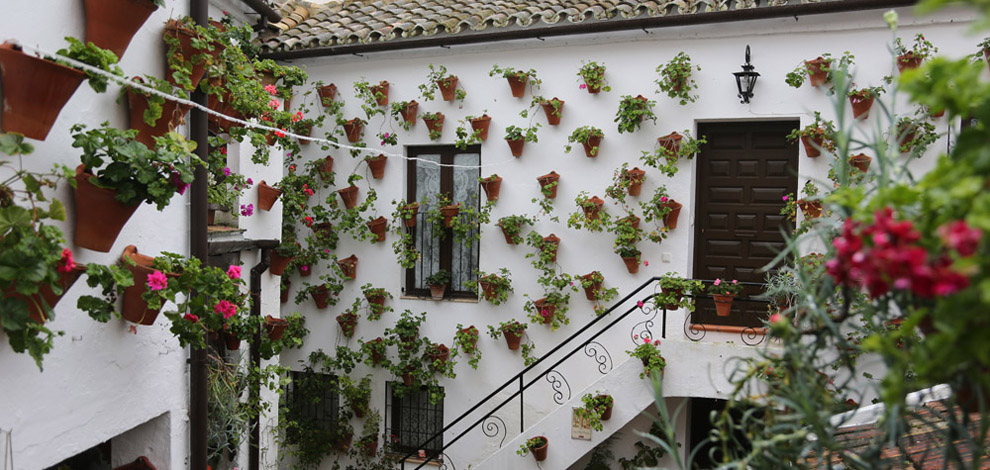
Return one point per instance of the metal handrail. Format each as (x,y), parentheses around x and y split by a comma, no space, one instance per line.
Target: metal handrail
(519,376)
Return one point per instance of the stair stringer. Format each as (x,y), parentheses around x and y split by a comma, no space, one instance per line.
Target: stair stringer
(694,369)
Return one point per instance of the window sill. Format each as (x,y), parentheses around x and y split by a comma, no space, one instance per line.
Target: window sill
(755,330)
(417,461)
(452,299)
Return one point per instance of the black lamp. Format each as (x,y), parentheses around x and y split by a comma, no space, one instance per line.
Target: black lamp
(746,80)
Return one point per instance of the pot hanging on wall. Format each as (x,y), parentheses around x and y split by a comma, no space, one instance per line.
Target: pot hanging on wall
(512,340)
(409,112)
(554,109)
(670,219)
(349,266)
(275,327)
(353,129)
(34,91)
(635,178)
(321,296)
(488,288)
(327,93)
(284,294)
(267,196)
(817,74)
(813,145)
(99,215)
(449,212)
(377,166)
(860,161)
(435,125)
(551,243)
(45,294)
(413,209)
(492,186)
(380,92)
(592,146)
(349,196)
(861,106)
(482,123)
(516,146)
(185,36)
(592,208)
(172,116)
(135,308)
(111,24)
(447,87)
(591,292)
(279,263)
(546,180)
(378,227)
(517,83)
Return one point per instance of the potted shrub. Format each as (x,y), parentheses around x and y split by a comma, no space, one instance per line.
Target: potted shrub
(593,75)
(724,292)
(632,110)
(818,70)
(438,283)
(438,78)
(466,340)
(512,330)
(348,322)
(517,78)
(553,108)
(862,99)
(815,136)
(912,58)
(491,184)
(670,149)
(517,137)
(914,135)
(326,93)
(434,124)
(404,112)
(117,173)
(626,237)
(597,408)
(406,212)
(810,205)
(368,443)
(673,288)
(589,136)
(548,184)
(649,353)
(494,287)
(537,445)
(675,78)
(376,297)
(512,227)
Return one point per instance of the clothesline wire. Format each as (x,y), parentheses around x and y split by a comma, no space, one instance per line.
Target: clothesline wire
(124,81)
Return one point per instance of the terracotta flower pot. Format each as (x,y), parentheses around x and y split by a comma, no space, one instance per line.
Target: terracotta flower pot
(347,322)
(632,220)
(723,304)
(593,211)
(407,379)
(591,292)
(592,146)
(377,166)
(370,448)
(321,296)
(267,196)
(492,186)
(548,108)
(811,209)
(488,288)
(545,310)
(518,84)
(413,209)
(447,87)
(670,220)
(279,263)
(437,291)
(323,229)
(516,146)
(172,116)
(551,243)
(677,293)
(231,341)
(671,142)
(349,196)
(813,145)
(409,112)
(326,168)
(349,266)
(111,24)
(376,302)
(284,292)
(861,107)
(607,412)
(34,91)
(99,215)
(505,233)
(635,178)
(482,123)
(546,179)
(275,327)
(45,294)
(353,129)
(380,92)
(817,74)
(135,308)
(632,263)
(908,60)
(378,227)
(449,212)
(327,93)
(439,353)
(435,125)
(305,131)
(540,453)
(304,270)
(512,340)
(185,36)
(861,162)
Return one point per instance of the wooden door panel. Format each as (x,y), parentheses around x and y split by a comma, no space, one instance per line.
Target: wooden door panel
(746,169)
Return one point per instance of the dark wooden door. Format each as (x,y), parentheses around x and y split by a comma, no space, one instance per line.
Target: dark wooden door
(744,171)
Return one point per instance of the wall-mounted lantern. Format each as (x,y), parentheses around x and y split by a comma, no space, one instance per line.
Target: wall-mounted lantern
(746,80)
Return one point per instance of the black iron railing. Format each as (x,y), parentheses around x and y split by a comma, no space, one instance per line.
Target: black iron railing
(489,422)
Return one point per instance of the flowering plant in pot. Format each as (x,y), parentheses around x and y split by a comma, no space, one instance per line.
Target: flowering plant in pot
(466,341)
(405,212)
(367,445)
(438,358)
(593,290)
(376,297)
(404,113)
(724,292)
(357,394)
(512,226)
(212,296)
(912,58)
(492,185)
(518,79)
(191,50)
(438,283)
(593,75)
(588,136)
(914,135)
(517,137)
(371,97)
(632,111)
(675,78)
(551,309)
(326,292)
(537,445)
(648,351)
(406,329)
(434,123)
(670,149)
(818,70)
(627,234)
(596,408)
(861,100)
(674,289)
(439,79)
(591,215)
(810,204)
(512,330)
(374,352)
(495,288)
(816,136)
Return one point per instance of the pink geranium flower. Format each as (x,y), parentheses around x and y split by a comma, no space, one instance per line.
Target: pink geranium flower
(192,318)
(225,308)
(718,281)
(234,272)
(66,264)
(271,89)
(247,210)
(582,86)
(274,104)
(157,281)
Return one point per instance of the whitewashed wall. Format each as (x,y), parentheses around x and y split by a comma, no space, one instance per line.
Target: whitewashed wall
(778,45)
(102,380)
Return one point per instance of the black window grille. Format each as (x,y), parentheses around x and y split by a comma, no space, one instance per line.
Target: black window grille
(410,419)
(312,402)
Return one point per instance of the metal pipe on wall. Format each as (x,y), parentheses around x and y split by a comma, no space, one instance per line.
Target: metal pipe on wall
(254,391)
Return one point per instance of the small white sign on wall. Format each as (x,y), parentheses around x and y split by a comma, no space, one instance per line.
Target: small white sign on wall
(580,427)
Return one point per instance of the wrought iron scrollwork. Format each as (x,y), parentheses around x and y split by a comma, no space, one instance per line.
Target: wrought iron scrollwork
(693,331)
(445,462)
(599,353)
(492,425)
(643,328)
(559,383)
(751,337)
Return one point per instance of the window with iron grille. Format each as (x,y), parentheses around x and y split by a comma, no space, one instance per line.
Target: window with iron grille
(410,419)
(454,173)
(313,404)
